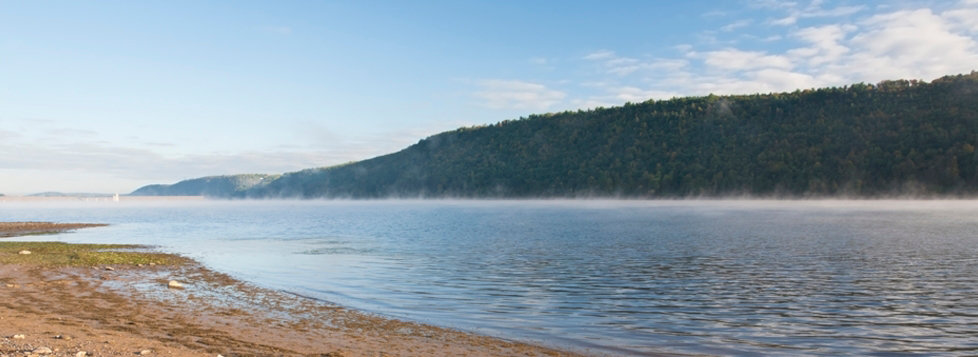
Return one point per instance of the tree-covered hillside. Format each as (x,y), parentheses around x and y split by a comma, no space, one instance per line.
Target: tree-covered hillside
(896,137)
(213,186)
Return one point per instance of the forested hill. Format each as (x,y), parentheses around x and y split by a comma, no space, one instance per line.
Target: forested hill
(212,186)
(893,138)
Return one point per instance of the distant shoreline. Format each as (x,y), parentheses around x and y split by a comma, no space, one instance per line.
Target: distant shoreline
(98,198)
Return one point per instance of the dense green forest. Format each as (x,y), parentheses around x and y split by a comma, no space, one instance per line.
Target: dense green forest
(893,138)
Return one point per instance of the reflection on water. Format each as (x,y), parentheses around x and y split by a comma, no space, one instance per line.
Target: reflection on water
(726,277)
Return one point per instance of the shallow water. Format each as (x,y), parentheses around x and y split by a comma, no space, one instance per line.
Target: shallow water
(621,277)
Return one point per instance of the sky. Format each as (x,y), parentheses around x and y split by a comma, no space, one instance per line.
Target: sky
(108,96)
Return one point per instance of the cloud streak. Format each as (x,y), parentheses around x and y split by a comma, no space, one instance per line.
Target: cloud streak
(514,94)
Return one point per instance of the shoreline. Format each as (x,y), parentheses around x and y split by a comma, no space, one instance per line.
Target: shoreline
(16,229)
(127,309)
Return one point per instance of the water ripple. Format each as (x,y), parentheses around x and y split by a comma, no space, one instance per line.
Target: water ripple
(725,278)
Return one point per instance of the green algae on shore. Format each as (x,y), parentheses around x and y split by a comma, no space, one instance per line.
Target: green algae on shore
(14,229)
(64,254)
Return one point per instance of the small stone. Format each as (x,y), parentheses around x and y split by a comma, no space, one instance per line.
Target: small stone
(63,337)
(145,352)
(24,252)
(81,354)
(140,265)
(152,264)
(174,284)
(109,268)
(43,350)
(19,337)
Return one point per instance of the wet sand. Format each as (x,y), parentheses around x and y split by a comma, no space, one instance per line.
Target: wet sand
(126,310)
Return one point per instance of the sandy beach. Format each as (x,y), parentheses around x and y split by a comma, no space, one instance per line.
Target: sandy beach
(129,309)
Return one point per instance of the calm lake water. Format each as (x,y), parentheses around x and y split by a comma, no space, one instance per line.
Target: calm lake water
(615,277)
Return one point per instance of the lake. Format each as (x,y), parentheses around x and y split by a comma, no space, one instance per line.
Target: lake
(615,277)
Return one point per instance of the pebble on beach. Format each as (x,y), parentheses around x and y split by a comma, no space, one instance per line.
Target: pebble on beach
(18,337)
(24,252)
(174,284)
(145,352)
(43,350)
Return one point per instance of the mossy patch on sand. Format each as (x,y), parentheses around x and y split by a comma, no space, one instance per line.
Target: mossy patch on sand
(13,229)
(64,254)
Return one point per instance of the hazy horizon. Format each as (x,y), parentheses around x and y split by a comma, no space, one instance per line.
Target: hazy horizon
(107,97)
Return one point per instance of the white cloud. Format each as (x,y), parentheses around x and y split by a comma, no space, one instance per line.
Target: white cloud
(777,80)
(625,66)
(826,44)
(761,81)
(850,44)
(772,4)
(910,43)
(613,94)
(834,12)
(592,103)
(622,66)
(599,55)
(785,21)
(847,44)
(813,10)
(514,94)
(734,59)
(737,24)
(963,19)
(637,95)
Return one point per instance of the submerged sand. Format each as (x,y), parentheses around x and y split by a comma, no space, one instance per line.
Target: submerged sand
(129,310)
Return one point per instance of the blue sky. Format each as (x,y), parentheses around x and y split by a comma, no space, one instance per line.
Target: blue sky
(107,96)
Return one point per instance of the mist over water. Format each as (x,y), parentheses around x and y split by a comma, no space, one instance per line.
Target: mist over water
(621,277)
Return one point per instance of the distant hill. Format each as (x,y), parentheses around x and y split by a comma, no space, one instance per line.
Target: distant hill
(70,194)
(902,137)
(213,186)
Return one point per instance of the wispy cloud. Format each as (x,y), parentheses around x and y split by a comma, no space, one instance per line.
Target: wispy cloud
(849,44)
(814,9)
(624,66)
(826,44)
(734,59)
(736,25)
(599,55)
(514,94)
